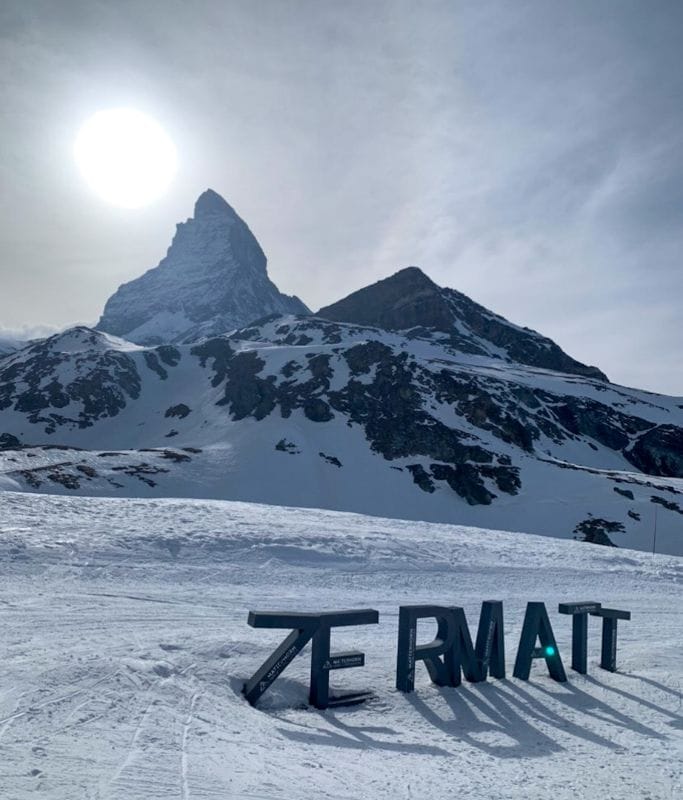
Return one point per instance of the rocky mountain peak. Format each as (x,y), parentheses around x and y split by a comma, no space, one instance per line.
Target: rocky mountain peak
(404,300)
(410,300)
(211,204)
(213,280)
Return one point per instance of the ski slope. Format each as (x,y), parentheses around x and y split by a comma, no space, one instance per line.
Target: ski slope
(124,646)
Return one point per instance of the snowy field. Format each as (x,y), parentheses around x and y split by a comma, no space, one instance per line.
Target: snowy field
(124,645)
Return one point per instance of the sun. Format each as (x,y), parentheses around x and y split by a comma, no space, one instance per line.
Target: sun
(125,157)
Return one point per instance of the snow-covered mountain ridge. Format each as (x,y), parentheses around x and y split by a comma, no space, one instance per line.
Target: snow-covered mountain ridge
(213,279)
(305,411)
(404,399)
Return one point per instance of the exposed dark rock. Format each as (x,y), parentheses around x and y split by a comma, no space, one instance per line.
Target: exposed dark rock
(220,351)
(181,411)
(319,367)
(585,418)
(405,300)
(299,341)
(9,442)
(331,459)
(287,447)
(659,452)
(596,530)
(65,479)
(31,477)
(317,410)
(668,504)
(56,473)
(361,357)
(169,355)
(526,396)
(522,345)
(421,477)
(290,368)
(506,478)
(464,479)
(245,392)
(490,410)
(87,470)
(247,334)
(141,471)
(153,363)
(174,455)
(410,300)
(624,492)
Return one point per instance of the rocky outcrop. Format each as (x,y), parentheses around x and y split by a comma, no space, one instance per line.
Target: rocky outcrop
(659,451)
(8,442)
(102,379)
(596,531)
(409,300)
(212,280)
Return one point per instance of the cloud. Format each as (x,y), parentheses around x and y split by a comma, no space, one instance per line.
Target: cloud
(25,333)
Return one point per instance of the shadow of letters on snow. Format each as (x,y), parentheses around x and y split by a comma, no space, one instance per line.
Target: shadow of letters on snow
(502,719)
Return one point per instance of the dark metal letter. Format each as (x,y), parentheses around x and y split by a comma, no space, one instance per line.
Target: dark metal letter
(309,626)
(322,662)
(579,612)
(442,672)
(490,647)
(489,652)
(608,651)
(537,625)
(304,627)
(453,642)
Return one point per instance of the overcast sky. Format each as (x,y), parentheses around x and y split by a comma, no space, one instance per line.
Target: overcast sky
(529,154)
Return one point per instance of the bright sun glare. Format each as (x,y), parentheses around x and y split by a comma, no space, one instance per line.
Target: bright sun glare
(126,157)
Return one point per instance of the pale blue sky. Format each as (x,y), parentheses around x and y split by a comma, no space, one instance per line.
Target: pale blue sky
(529,154)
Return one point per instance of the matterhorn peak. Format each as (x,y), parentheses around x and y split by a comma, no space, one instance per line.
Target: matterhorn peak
(213,279)
(211,204)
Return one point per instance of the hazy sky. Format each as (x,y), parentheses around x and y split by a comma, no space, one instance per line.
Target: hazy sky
(529,154)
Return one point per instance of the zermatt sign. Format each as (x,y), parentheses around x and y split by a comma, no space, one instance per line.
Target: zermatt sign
(449,656)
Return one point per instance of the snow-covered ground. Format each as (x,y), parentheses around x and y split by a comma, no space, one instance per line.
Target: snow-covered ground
(124,645)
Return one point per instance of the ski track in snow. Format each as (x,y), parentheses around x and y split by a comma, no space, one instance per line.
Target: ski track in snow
(123,659)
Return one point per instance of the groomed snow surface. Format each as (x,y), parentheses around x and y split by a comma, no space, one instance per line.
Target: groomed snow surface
(124,646)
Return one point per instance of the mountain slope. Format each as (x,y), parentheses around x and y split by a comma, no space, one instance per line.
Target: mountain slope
(410,300)
(308,412)
(212,280)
